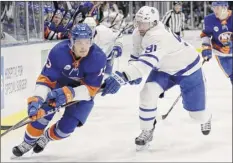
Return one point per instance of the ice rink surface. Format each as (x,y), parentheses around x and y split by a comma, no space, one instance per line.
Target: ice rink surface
(109,133)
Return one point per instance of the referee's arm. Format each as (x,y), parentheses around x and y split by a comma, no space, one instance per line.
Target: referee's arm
(182,21)
(166,18)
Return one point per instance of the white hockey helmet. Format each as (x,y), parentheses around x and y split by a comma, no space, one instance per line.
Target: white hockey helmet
(147,14)
(145,19)
(90,21)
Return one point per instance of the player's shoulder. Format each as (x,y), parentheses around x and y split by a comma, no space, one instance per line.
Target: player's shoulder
(210,17)
(60,50)
(96,55)
(169,11)
(155,35)
(97,51)
(61,46)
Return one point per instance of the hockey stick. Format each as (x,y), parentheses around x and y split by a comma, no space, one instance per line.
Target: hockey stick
(177,99)
(27,120)
(125,28)
(165,115)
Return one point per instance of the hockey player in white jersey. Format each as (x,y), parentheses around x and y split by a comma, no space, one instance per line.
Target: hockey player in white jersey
(170,61)
(107,40)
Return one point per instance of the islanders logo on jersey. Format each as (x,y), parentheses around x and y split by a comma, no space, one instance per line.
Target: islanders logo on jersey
(225,38)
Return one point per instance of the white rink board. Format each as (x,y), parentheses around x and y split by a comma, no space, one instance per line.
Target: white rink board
(21,67)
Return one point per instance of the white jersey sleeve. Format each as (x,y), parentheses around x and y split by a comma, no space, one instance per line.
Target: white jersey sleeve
(105,39)
(163,51)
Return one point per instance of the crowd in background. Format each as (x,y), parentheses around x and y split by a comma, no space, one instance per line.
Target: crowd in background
(48,20)
(60,16)
(198,12)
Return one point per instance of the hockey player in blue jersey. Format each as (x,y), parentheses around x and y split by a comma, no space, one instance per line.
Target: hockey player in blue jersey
(217,37)
(73,72)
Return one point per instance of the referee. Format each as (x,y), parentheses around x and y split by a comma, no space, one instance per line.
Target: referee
(174,19)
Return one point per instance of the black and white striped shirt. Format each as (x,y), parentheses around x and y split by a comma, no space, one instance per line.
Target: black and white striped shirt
(174,20)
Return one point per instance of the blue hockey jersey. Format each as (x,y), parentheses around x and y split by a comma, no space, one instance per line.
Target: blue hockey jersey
(63,69)
(220,31)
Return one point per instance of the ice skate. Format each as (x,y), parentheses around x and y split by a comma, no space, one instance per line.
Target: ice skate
(40,144)
(21,149)
(206,127)
(143,140)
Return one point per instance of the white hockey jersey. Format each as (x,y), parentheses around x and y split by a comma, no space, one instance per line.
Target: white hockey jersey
(161,50)
(106,39)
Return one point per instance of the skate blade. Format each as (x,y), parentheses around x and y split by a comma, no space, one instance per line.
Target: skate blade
(13,157)
(142,147)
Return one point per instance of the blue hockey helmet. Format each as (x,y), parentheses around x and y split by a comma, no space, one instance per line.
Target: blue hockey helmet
(80,31)
(219,3)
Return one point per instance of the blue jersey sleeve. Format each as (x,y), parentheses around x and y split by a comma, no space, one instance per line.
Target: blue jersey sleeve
(51,71)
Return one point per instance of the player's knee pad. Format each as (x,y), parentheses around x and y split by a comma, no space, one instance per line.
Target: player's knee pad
(63,128)
(66,126)
(200,116)
(32,133)
(149,95)
(80,111)
(193,91)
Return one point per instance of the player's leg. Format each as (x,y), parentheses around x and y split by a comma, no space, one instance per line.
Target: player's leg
(156,83)
(225,64)
(193,91)
(74,116)
(33,131)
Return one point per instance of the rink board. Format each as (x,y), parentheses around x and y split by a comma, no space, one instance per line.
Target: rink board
(20,67)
